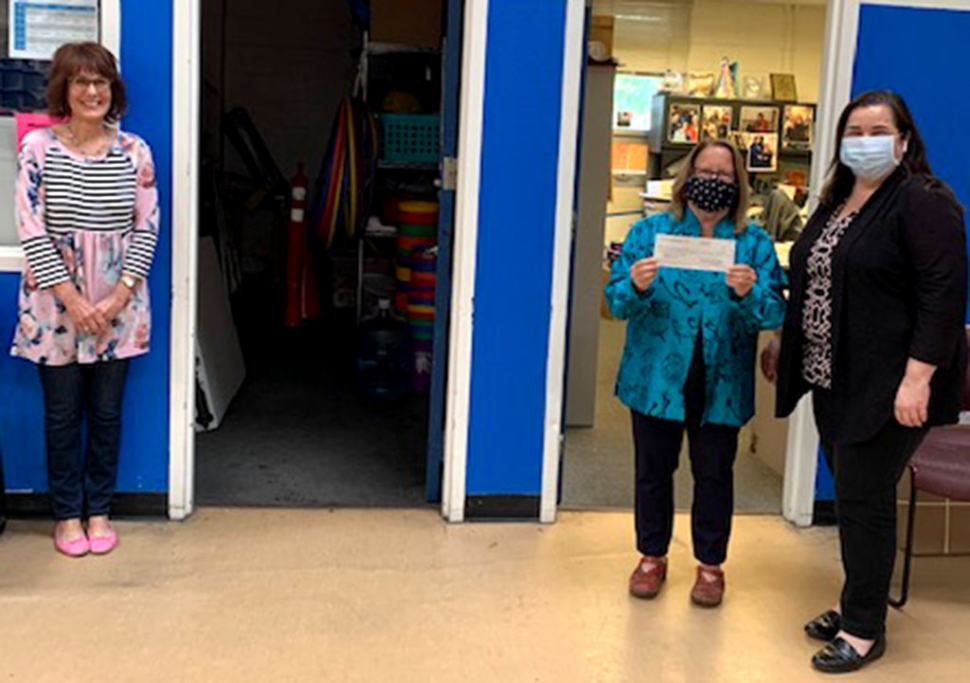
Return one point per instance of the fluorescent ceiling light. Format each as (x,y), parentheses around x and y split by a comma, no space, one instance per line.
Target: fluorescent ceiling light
(639,17)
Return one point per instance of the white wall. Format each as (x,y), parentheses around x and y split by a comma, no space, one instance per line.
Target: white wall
(763,37)
(289,63)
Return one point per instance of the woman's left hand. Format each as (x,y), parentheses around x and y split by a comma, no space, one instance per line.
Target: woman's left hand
(113,304)
(912,402)
(741,279)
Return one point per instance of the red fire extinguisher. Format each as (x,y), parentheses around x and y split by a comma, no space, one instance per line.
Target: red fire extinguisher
(296,256)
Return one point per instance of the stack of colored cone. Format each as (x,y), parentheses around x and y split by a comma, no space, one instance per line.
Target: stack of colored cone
(421,316)
(418,229)
(418,232)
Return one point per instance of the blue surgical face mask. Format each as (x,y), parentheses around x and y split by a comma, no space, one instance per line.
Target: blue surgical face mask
(871,157)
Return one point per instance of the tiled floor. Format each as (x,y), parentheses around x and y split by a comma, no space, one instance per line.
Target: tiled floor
(393,596)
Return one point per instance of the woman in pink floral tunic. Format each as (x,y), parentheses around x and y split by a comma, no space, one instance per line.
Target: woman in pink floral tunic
(88,218)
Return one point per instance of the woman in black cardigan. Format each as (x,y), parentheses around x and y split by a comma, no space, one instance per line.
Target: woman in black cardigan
(875,331)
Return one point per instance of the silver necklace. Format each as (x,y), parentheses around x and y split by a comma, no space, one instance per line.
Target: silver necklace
(102,147)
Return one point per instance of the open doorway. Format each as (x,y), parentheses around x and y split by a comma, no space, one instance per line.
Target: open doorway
(318,375)
(672,58)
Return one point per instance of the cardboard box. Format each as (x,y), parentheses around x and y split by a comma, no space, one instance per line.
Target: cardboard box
(601,31)
(415,23)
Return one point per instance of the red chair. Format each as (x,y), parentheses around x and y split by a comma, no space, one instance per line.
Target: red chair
(941,466)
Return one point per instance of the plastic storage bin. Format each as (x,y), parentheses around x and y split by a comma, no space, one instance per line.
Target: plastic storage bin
(411,138)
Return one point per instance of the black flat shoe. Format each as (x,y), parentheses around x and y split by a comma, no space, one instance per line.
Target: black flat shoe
(825,626)
(838,657)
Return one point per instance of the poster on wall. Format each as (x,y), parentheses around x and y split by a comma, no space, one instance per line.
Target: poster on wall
(37,29)
(633,101)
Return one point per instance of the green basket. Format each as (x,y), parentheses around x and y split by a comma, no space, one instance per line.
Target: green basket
(411,138)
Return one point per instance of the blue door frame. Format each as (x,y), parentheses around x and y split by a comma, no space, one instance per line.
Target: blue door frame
(446,228)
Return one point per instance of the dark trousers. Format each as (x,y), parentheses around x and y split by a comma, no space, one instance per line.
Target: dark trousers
(866,477)
(83,480)
(713,449)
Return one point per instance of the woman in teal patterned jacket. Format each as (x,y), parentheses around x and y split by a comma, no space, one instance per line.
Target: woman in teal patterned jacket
(689,361)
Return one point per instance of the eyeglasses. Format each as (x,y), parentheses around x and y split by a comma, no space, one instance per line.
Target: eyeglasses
(707,174)
(83,83)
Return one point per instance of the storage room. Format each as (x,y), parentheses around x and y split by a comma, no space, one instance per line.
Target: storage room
(318,259)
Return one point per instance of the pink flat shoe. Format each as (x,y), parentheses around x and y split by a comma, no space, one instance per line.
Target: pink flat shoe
(79,547)
(102,545)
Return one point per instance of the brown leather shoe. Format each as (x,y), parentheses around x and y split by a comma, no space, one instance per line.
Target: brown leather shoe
(708,593)
(647,584)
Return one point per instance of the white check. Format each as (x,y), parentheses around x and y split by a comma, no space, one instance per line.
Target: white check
(694,253)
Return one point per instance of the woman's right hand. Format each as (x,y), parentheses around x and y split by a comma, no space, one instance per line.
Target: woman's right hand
(87,318)
(643,273)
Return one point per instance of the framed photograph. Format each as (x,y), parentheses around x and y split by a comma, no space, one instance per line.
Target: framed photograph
(700,84)
(762,152)
(798,128)
(783,87)
(759,120)
(754,88)
(718,122)
(685,124)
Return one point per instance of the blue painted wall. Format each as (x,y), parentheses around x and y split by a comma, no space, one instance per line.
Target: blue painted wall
(146,57)
(929,74)
(523,92)
(926,74)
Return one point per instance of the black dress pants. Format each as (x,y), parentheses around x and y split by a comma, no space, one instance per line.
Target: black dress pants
(866,478)
(713,449)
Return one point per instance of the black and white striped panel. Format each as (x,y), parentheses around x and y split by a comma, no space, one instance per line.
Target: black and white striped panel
(140,253)
(45,262)
(89,195)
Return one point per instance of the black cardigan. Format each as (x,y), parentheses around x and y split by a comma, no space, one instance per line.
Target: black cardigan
(899,290)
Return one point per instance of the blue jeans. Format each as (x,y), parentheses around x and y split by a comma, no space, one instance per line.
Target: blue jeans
(83,481)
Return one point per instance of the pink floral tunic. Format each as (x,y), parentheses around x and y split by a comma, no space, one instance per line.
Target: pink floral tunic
(85,221)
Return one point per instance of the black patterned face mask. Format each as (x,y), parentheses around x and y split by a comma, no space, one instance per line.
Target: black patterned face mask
(711,194)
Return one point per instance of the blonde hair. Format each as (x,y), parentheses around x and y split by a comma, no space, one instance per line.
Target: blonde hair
(739,212)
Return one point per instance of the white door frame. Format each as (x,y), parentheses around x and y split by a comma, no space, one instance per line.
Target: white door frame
(573,64)
(838,56)
(464,261)
(186,108)
(185,164)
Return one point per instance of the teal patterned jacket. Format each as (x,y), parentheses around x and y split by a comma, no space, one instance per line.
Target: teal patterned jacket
(664,321)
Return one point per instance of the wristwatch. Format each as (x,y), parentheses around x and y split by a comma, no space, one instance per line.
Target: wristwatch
(129,281)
